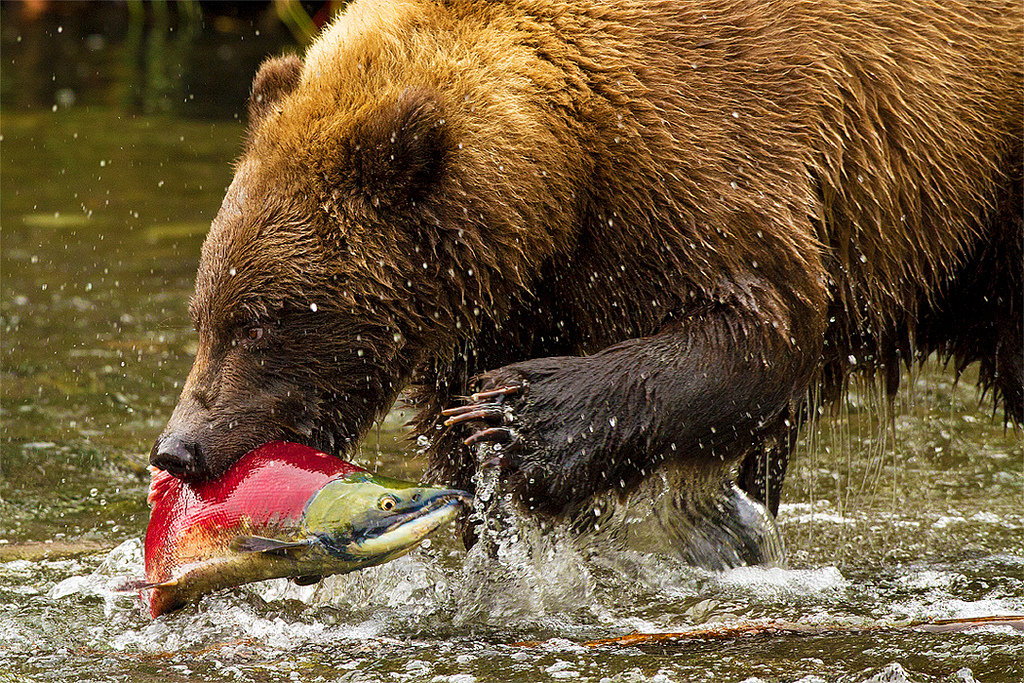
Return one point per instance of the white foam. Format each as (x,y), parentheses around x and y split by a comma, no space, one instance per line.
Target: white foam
(820,511)
(774,582)
(820,517)
(890,673)
(925,579)
(947,520)
(952,608)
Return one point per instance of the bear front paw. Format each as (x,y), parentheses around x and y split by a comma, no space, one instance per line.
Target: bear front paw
(490,416)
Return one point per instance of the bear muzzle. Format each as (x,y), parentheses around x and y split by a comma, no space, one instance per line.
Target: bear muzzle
(180,457)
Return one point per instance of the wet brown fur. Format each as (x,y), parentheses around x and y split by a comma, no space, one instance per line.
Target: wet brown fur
(667,219)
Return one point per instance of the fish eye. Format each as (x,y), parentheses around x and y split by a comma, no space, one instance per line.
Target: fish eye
(387,502)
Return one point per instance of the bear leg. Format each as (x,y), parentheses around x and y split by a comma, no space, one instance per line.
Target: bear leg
(705,393)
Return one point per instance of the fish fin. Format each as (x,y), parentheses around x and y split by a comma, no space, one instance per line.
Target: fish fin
(306,580)
(261,544)
(142,584)
(134,585)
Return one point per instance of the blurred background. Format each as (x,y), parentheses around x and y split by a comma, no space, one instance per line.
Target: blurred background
(185,58)
(120,122)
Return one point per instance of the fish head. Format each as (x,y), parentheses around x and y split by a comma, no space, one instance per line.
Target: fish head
(369,519)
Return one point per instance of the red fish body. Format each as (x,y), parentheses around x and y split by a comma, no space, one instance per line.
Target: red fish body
(283,510)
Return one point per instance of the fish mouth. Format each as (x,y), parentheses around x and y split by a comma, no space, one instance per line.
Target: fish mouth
(388,537)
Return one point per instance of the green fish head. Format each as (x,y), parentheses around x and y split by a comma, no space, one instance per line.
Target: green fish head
(370,519)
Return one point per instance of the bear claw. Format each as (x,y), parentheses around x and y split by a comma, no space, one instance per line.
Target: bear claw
(472,412)
(500,435)
(497,392)
(488,410)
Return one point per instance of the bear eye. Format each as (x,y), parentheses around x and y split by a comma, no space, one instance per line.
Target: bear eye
(387,503)
(250,334)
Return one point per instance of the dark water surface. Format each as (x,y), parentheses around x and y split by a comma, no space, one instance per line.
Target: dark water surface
(888,519)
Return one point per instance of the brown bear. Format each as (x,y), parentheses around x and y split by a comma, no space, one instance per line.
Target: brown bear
(642,232)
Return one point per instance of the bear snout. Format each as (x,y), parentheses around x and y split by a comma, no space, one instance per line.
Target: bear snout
(180,457)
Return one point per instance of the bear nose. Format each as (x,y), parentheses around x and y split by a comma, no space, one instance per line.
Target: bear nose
(181,458)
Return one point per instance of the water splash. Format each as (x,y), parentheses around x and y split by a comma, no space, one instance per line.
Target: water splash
(123,563)
(519,570)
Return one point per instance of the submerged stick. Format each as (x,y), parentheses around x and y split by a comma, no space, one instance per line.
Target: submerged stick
(788,628)
(783,628)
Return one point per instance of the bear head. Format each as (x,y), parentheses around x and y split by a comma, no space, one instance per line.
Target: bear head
(371,225)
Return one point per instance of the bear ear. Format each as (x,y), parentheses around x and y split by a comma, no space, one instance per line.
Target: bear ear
(277,77)
(398,153)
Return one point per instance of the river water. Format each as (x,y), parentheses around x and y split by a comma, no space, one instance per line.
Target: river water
(890,517)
